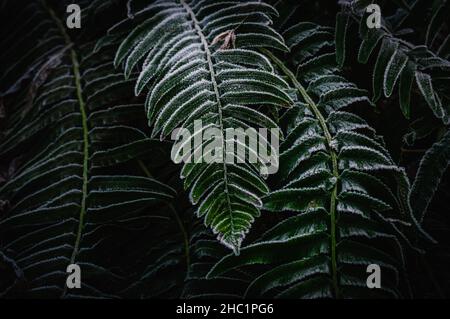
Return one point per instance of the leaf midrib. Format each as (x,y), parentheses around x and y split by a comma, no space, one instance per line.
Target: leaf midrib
(77,76)
(313,107)
(205,44)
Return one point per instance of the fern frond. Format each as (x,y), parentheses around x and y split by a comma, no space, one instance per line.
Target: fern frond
(399,62)
(432,167)
(193,72)
(64,198)
(348,194)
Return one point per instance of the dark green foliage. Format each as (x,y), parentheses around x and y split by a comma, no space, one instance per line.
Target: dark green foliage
(75,123)
(86,175)
(332,166)
(192,78)
(400,61)
(431,170)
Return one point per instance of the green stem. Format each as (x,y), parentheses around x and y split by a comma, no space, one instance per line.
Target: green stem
(76,72)
(219,103)
(313,107)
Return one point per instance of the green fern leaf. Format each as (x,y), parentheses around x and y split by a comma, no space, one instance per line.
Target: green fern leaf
(399,60)
(432,167)
(64,198)
(192,76)
(330,175)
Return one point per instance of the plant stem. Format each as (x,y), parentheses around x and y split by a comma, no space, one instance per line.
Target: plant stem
(313,107)
(212,72)
(76,72)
